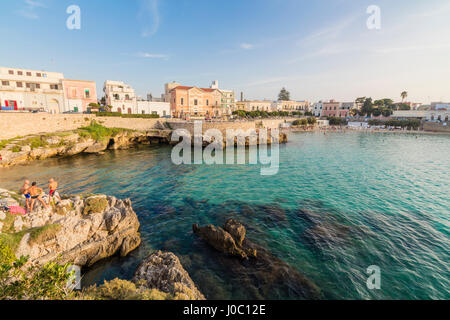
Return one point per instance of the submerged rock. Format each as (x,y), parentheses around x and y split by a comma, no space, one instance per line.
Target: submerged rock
(223,241)
(262,276)
(163,271)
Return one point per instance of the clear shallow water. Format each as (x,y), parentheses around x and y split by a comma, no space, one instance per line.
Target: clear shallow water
(340,203)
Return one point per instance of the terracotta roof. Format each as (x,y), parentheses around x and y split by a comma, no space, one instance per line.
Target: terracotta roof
(182,88)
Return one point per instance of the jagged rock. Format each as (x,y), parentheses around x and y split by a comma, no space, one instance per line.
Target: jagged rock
(220,240)
(96,147)
(25,149)
(52,140)
(79,147)
(163,271)
(236,230)
(18,224)
(43,153)
(82,239)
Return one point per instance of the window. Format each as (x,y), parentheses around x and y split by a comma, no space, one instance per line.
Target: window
(29,74)
(182,101)
(143,111)
(38,75)
(19,84)
(28,85)
(44,75)
(116,97)
(54,86)
(5,83)
(195,102)
(19,73)
(87,94)
(207,102)
(11,71)
(38,86)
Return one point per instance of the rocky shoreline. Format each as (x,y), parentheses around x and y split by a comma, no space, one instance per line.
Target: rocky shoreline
(94,139)
(82,230)
(67,144)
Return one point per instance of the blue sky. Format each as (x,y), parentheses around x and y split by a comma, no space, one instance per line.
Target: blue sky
(317,49)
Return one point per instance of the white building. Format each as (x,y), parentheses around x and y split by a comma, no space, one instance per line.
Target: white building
(24,89)
(120,96)
(317,109)
(154,107)
(428,115)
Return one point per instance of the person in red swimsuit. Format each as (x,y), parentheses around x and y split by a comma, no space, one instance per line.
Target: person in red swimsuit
(53,185)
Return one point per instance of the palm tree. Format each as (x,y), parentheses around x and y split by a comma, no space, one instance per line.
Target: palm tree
(404,95)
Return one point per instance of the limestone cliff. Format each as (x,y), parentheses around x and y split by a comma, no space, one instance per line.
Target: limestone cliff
(78,230)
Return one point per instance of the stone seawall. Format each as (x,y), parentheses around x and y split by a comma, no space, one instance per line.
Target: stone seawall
(234,125)
(14,125)
(436,127)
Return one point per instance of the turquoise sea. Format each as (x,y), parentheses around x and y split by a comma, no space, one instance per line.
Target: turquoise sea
(340,203)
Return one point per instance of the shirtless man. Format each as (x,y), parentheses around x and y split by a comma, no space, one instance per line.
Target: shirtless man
(35,193)
(26,193)
(53,185)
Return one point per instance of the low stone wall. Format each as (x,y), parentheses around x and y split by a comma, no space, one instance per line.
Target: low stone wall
(436,127)
(14,125)
(234,125)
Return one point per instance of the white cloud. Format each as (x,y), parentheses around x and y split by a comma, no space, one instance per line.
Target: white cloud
(246,46)
(149,17)
(29,9)
(34,4)
(152,55)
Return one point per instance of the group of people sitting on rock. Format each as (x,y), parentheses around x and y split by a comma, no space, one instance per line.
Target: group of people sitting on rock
(33,192)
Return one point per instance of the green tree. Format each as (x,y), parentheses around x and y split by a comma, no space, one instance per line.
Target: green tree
(284,95)
(388,102)
(367,107)
(404,95)
(403,106)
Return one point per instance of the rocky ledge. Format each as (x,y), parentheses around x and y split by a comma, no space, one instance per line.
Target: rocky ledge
(78,230)
(66,144)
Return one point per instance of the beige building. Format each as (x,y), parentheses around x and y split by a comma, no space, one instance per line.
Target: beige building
(254,105)
(291,106)
(120,96)
(24,89)
(228,100)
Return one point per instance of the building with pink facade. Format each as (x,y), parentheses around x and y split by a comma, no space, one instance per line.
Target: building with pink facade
(78,94)
(335,109)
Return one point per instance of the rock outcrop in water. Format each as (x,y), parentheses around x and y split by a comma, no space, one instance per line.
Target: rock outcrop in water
(262,274)
(78,230)
(163,271)
(228,240)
